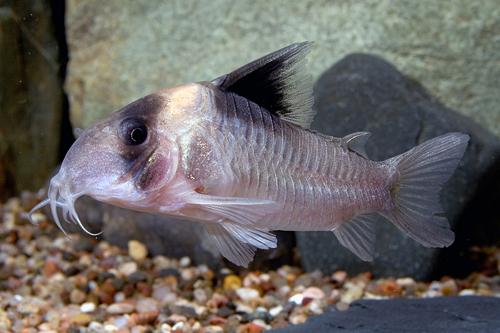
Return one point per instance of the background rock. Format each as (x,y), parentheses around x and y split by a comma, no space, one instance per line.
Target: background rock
(122,51)
(445,315)
(366,93)
(31,97)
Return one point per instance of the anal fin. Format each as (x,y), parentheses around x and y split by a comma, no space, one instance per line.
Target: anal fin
(358,235)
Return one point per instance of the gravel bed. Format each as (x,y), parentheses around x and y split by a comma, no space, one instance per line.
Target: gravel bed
(52,283)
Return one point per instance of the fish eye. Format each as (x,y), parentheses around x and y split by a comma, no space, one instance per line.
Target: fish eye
(138,135)
(134,132)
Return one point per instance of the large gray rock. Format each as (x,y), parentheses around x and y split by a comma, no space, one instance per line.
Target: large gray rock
(123,50)
(366,93)
(31,97)
(444,315)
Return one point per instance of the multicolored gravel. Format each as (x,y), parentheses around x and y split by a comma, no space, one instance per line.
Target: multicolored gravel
(52,283)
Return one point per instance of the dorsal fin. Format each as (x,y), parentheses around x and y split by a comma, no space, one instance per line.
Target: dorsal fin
(356,142)
(277,83)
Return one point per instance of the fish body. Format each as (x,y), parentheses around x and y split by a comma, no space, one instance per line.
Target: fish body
(237,155)
(242,150)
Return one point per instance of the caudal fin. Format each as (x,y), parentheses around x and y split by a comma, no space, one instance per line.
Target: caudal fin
(422,172)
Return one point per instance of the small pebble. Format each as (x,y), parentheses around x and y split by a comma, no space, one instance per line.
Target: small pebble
(298,319)
(87,307)
(128,268)
(467,292)
(313,293)
(231,282)
(137,250)
(276,310)
(146,305)
(77,296)
(296,299)
(81,319)
(449,288)
(185,262)
(120,308)
(247,294)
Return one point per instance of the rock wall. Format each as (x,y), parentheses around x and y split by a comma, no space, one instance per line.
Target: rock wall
(121,51)
(31,95)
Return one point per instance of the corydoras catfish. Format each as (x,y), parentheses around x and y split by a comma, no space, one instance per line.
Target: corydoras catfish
(237,155)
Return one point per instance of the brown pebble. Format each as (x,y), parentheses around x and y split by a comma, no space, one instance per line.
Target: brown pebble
(50,268)
(449,288)
(217,300)
(105,297)
(144,288)
(216,320)
(280,321)
(108,287)
(11,237)
(231,282)
(143,318)
(389,288)
(81,319)
(128,290)
(251,328)
(77,296)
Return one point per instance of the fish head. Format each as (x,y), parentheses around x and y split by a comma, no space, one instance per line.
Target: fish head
(124,160)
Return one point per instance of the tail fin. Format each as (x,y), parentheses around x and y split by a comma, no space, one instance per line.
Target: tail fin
(422,172)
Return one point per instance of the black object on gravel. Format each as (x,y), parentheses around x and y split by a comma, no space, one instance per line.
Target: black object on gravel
(443,315)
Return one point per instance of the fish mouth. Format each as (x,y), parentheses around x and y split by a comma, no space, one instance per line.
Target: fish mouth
(60,198)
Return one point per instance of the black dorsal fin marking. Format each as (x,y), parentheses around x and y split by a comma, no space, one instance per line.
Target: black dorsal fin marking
(277,83)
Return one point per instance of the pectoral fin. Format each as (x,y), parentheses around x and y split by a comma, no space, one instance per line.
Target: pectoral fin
(244,211)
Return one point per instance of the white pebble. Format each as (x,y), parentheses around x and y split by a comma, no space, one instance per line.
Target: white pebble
(95,326)
(128,268)
(178,326)
(165,328)
(87,307)
(247,294)
(244,308)
(185,261)
(110,328)
(276,310)
(119,297)
(137,250)
(297,299)
(121,321)
(467,292)
(315,307)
